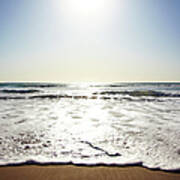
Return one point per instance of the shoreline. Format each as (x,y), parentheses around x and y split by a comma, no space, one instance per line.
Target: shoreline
(48,164)
(70,163)
(80,172)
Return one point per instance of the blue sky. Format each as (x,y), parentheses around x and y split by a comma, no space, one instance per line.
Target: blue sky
(81,40)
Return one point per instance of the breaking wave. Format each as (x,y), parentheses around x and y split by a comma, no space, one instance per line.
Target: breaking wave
(110,124)
(31,85)
(20,91)
(138,93)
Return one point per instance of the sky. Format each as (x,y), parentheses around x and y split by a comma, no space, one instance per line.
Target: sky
(89,40)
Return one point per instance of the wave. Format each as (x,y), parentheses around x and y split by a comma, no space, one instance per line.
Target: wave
(138,93)
(32,85)
(46,96)
(111,85)
(51,96)
(140,84)
(20,91)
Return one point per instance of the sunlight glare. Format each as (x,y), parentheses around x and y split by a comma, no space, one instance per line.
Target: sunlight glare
(85,11)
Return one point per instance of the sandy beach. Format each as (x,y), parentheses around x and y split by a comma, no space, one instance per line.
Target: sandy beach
(56,172)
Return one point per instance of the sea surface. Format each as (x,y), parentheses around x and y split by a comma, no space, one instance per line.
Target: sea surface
(110,124)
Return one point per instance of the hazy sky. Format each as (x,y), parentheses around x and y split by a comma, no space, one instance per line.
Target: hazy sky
(89,40)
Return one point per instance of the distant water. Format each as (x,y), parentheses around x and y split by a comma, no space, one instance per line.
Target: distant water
(120,123)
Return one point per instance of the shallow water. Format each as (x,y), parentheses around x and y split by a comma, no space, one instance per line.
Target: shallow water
(122,123)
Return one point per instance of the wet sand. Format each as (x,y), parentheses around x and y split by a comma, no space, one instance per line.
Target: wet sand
(70,172)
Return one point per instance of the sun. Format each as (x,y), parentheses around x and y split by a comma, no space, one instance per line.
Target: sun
(79,10)
(85,7)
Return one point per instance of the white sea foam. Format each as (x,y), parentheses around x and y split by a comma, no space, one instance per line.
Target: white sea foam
(92,130)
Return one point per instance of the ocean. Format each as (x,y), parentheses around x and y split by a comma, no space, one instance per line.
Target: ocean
(96,123)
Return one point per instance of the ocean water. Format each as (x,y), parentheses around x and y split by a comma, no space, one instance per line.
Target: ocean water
(119,124)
